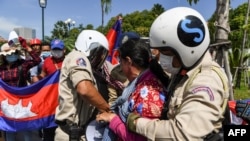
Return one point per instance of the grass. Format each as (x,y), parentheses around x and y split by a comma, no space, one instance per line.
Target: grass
(242,93)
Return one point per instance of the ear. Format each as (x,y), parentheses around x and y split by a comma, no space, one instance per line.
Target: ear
(129,60)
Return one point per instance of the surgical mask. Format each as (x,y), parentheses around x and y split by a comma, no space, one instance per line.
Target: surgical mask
(45,54)
(166,64)
(11,58)
(57,53)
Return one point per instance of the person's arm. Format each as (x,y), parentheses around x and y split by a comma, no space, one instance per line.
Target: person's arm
(119,127)
(28,64)
(89,92)
(35,57)
(199,109)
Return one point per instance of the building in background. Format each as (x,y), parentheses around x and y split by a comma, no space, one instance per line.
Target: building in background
(27,33)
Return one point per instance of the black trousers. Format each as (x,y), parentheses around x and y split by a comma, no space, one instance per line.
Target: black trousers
(49,134)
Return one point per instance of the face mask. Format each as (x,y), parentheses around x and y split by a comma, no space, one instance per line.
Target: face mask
(11,58)
(57,53)
(166,64)
(45,54)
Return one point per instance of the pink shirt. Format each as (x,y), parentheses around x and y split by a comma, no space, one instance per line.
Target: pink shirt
(119,128)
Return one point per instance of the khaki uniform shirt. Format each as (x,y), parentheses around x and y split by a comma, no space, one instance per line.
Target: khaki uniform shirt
(194,110)
(75,68)
(117,74)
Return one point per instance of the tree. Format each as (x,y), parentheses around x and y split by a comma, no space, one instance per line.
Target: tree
(60,30)
(105,7)
(220,49)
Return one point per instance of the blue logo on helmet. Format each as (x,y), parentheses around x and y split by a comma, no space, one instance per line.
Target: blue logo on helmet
(191,31)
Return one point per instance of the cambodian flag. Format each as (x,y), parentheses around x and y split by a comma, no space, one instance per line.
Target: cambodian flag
(112,36)
(31,107)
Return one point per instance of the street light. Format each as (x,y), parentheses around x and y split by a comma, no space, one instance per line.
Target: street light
(69,22)
(42,4)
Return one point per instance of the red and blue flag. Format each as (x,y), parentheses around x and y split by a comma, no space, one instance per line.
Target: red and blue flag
(112,36)
(31,107)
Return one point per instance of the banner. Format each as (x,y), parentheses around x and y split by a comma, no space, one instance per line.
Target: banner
(113,38)
(31,107)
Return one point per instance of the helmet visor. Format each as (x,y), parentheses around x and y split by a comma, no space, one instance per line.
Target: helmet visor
(97,56)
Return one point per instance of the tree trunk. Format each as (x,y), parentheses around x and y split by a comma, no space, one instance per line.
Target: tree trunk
(220,53)
(241,65)
(102,7)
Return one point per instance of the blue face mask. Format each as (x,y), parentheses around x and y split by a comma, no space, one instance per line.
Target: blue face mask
(11,58)
(45,54)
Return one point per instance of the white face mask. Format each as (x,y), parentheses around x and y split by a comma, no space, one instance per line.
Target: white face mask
(166,64)
(57,53)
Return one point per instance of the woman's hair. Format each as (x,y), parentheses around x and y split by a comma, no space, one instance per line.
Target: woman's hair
(139,52)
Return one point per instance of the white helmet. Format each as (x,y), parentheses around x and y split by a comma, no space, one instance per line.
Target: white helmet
(183,30)
(95,46)
(87,37)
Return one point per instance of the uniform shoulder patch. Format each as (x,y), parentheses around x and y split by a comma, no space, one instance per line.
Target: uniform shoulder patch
(81,62)
(205,89)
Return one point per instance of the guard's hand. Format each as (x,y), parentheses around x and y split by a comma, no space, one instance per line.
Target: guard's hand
(131,124)
(105,117)
(22,42)
(243,109)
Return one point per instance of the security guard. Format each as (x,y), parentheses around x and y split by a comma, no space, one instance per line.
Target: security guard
(78,94)
(198,91)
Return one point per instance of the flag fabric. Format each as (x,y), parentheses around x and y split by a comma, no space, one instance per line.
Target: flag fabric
(113,38)
(31,107)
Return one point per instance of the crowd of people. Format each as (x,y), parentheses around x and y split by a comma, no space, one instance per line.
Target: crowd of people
(166,87)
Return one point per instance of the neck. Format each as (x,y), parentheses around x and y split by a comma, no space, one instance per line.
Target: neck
(135,73)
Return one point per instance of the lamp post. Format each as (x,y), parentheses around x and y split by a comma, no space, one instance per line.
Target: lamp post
(43,4)
(69,22)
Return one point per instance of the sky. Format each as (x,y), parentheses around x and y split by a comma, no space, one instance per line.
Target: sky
(28,13)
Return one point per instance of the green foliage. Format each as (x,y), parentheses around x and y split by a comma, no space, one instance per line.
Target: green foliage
(138,21)
(242,93)
(192,1)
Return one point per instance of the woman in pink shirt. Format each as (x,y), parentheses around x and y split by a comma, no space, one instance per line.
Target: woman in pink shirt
(144,94)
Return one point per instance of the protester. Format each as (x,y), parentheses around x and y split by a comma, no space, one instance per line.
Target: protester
(144,94)
(78,94)
(14,72)
(117,74)
(198,89)
(35,44)
(53,62)
(44,50)
(243,109)
(50,65)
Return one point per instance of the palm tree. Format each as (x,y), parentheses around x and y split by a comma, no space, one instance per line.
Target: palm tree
(106,7)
